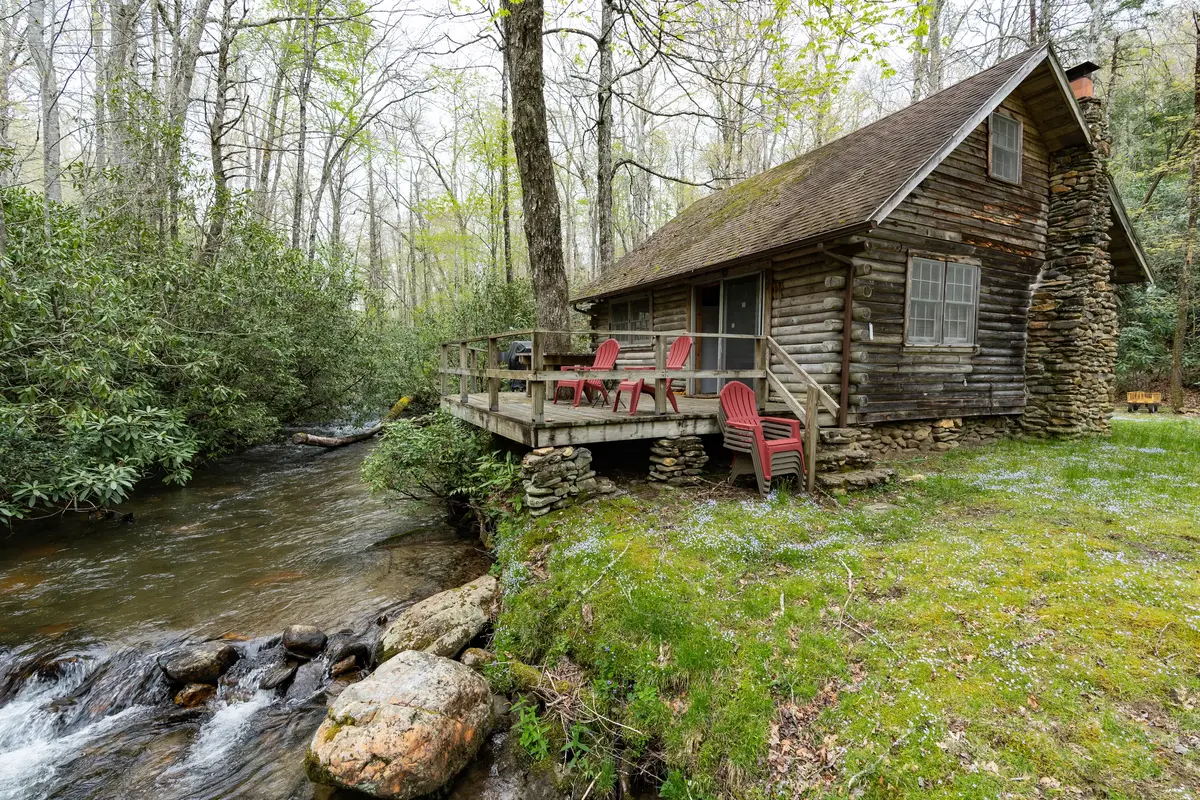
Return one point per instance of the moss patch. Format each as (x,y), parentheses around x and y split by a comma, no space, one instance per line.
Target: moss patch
(1023,622)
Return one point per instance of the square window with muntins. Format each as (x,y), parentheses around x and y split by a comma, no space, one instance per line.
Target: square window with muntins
(631,315)
(943,303)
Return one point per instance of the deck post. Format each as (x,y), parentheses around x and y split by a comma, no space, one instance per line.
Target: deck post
(464,386)
(493,362)
(762,388)
(443,366)
(811,434)
(660,364)
(538,386)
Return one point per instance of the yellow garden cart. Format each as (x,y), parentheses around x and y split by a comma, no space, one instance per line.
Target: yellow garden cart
(1148,399)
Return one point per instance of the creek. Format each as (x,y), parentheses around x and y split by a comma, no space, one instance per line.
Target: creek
(272,537)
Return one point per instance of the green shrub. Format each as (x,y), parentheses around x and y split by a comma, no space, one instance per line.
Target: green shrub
(123,357)
(438,456)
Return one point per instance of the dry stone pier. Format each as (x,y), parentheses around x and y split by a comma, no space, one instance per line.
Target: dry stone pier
(554,476)
(678,462)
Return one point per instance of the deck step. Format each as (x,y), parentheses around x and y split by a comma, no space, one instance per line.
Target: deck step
(855,480)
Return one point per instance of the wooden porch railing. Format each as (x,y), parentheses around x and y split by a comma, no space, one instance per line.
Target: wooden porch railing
(490,374)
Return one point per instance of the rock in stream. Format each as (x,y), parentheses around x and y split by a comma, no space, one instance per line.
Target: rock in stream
(405,731)
(204,663)
(446,622)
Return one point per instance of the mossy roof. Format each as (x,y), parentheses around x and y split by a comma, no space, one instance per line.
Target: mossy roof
(853,181)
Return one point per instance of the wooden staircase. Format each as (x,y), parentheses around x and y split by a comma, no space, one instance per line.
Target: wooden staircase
(840,463)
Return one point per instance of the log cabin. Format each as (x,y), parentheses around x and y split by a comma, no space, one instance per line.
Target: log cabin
(946,269)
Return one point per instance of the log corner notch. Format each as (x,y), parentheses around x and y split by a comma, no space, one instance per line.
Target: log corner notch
(313,439)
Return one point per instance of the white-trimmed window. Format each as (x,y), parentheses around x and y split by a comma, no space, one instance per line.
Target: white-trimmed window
(1004,148)
(943,303)
(632,314)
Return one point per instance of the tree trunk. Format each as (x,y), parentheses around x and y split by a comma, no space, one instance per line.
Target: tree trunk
(338,195)
(1177,398)
(309,38)
(505,202)
(934,74)
(1095,29)
(535,166)
(8,57)
(99,151)
(374,234)
(111,86)
(40,38)
(186,52)
(604,142)
(262,192)
(216,139)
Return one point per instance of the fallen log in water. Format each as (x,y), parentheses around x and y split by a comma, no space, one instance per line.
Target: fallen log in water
(334,441)
(341,441)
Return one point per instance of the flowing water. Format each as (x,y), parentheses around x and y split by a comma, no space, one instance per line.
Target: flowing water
(277,536)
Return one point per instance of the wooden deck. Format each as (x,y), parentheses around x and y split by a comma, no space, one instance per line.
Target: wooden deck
(566,424)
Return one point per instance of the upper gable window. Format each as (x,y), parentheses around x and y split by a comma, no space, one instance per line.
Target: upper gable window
(1004,148)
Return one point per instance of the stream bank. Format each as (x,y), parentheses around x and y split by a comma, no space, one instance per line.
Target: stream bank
(277,536)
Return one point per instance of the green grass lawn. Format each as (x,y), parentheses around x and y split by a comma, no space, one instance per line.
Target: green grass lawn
(1022,620)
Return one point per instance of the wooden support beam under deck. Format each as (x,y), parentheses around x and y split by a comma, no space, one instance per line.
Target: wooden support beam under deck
(564,424)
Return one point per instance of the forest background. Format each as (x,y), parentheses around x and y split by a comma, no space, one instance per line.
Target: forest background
(220,217)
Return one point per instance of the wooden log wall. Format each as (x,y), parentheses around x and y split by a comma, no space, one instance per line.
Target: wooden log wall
(957,211)
(807,301)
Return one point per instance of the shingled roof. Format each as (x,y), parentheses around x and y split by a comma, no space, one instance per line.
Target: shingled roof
(851,183)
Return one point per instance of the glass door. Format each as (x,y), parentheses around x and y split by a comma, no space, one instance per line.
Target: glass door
(733,306)
(741,301)
(708,351)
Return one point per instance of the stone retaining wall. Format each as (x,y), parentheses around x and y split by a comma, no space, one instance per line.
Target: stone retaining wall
(555,476)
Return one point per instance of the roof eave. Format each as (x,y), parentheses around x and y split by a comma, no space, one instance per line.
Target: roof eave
(835,233)
(1122,216)
(1035,59)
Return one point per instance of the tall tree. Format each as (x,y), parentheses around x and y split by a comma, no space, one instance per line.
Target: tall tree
(41,39)
(505,202)
(535,166)
(1184,287)
(604,141)
(219,126)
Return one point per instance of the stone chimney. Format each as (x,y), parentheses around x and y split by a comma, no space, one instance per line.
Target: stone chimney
(1071,352)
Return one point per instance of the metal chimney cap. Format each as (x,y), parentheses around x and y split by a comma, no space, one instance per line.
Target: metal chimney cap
(1082,70)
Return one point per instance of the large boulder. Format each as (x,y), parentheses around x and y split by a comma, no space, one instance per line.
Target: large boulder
(445,623)
(403,732)
(204,663)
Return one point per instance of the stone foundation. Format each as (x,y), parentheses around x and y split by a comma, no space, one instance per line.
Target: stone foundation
(896,439)
(555,476)
(844,449)
(1072,345)
(678,462)
(847,458)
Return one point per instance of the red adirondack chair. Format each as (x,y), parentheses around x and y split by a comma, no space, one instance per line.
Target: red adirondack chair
(766,447)
(606,358)
(677,358)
